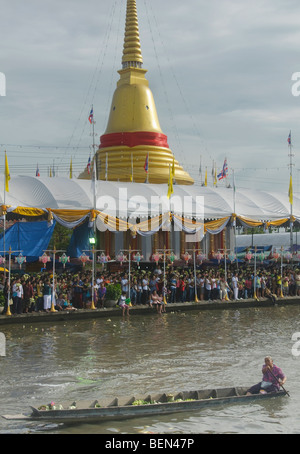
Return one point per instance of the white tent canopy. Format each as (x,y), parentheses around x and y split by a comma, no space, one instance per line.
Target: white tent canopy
(276,240)
(138,200)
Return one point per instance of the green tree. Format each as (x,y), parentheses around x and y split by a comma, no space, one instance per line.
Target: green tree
(60,238)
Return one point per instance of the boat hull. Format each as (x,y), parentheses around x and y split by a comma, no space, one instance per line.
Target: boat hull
(115,410)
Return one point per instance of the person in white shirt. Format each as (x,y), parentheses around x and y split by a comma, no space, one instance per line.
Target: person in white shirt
(145,294)
(124,284)
(208,288)
(18,297)
(235,288)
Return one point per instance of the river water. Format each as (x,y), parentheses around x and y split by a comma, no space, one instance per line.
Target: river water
(147,354)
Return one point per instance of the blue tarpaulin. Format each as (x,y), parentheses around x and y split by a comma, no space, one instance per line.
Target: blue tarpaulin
(80,240)
(29,238)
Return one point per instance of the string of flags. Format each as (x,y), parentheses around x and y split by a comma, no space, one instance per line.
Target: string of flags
(223,174)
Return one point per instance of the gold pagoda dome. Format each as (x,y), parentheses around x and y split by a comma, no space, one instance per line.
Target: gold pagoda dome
(133,134)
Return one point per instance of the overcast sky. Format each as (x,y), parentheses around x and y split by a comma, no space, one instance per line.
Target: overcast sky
(220,72)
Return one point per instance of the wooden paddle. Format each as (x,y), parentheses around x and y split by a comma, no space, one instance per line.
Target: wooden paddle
(286,392)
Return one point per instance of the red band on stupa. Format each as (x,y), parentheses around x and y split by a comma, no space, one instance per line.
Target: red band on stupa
(133,139)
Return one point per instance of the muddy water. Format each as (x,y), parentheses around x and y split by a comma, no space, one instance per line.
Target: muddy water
(152,353)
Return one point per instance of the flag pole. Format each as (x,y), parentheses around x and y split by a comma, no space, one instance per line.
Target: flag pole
(6,180)
(94,179)
(200,169)
(291,189)
(234,213)
(4,221)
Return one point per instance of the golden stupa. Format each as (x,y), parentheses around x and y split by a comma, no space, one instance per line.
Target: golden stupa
(133,134)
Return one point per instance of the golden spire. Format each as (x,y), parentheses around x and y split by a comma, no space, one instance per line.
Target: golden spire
(133,133)
(132,55)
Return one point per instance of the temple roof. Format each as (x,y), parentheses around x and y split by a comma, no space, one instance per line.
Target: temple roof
(142,200)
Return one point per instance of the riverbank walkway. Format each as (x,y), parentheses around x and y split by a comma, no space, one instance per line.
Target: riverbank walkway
(84,314)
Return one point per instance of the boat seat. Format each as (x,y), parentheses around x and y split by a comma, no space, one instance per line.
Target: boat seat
(207,394)
(226,392)
(162,398)
(82,404)
(114,403)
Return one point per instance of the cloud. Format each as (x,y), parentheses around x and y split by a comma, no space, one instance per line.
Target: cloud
(220,72)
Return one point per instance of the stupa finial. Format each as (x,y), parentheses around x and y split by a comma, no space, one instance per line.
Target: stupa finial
(132,54)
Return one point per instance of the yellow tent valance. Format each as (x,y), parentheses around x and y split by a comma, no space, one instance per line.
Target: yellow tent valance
(249,222)
(216,226)
(71,218)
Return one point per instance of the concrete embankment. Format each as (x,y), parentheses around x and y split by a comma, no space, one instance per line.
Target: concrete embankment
(84,314)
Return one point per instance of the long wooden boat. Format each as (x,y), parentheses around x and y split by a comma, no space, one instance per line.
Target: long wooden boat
(124,408)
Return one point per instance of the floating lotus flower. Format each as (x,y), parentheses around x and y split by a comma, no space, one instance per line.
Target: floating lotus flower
(186,257)
(231,257)
(44,258)
(121,258)
(20,259)
(156,257)
(218,256)
(84,258)
(64,259)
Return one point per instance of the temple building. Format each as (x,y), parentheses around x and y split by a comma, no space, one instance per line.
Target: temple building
(133,134)
(133,147)
(140,197)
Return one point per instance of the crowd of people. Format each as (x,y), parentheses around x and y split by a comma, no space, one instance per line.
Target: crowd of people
(35,292)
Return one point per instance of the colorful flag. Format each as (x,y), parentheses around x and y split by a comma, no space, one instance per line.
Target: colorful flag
(37,173)
(205,181)
(91,117)
(7,174)
(88,167)
(224,171)
(291,191)
(146,165)
(290,138)
(71,169)
(131,175)
(170,183)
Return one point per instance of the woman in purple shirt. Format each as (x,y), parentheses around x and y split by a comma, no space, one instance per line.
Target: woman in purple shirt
(273,377)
